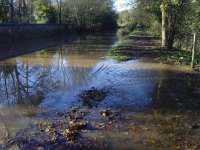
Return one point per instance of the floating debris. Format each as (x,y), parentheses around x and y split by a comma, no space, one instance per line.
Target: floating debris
(91,97)
(105,113)
(102,125)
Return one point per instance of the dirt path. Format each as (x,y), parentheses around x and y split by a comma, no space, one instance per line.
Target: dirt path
(145,47)
(148,49)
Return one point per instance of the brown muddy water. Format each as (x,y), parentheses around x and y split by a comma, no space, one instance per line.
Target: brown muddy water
(156,105)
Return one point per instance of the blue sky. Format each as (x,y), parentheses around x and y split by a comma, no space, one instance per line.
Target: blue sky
(122,5)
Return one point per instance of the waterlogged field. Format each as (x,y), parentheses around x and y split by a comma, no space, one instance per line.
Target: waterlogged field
(72,97)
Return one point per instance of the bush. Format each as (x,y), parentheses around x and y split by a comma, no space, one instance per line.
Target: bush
(155,28)
(124,31)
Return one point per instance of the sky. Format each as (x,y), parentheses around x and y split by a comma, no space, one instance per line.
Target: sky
(121,5)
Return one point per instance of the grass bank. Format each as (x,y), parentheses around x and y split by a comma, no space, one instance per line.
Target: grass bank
(133,44)
(144,45)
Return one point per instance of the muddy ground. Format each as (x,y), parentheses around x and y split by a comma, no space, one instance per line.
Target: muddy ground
(170,121)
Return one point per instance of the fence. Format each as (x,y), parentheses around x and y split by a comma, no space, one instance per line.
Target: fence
(190,43)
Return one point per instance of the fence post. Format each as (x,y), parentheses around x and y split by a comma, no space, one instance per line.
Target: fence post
(193,51)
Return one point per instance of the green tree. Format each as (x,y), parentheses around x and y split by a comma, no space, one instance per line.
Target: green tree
(45,12)
(4,11)
(91,14)
(172,11)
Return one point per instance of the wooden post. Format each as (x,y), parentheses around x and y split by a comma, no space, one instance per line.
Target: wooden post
(193,51)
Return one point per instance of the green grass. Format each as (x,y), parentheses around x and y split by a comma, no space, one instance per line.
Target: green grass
(174,57)
(124,31)
(139,32)
(117,53)
(179,57)
(118,58)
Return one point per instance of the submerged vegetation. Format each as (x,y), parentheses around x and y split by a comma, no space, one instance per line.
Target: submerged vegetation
(91,97)
(65,130)
(62,132)
(167,129)
(156,127)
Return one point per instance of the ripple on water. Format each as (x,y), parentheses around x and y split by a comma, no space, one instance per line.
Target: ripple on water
(57,75)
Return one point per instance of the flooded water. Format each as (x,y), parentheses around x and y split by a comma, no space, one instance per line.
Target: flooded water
(39,84)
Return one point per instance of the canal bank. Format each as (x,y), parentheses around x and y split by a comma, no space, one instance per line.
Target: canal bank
(17,32)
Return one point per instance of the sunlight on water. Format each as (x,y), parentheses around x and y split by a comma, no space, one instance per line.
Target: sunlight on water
(49,80)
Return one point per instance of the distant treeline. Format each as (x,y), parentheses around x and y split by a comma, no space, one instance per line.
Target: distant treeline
(83,14)
(21,32)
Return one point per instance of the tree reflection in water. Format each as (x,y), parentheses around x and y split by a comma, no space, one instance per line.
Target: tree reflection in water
(17,87)
(26,84)
(30,82)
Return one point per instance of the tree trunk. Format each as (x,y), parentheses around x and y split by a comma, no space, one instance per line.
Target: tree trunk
(11,11)
(164,29)
(60,12)
(193,51)
(171,33)
(59,3)
(19,11)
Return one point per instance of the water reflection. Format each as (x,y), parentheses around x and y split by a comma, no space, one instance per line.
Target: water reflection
(26,80)
(17,87)
(50,79)
(178,94)
(32,82)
